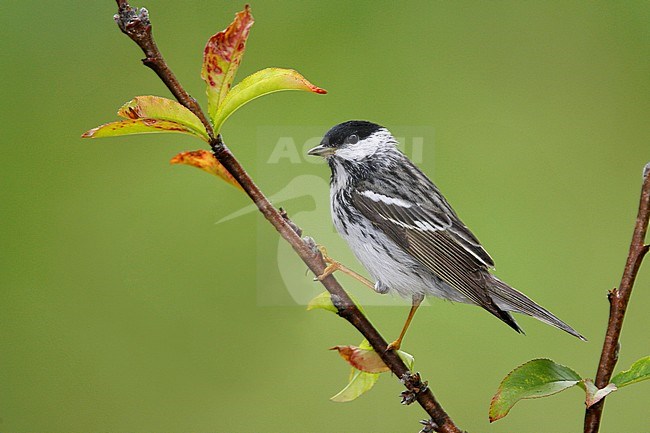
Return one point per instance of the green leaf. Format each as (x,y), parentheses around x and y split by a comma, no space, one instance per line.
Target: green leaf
(365,345)
(534,379)
(408,359)
(360,382)
(324,301)
(155,107)
(259,84)
(221,58)
(136,126)
(207,162)
(639,371)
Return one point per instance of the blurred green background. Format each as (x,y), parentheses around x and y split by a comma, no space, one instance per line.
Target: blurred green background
(125,308)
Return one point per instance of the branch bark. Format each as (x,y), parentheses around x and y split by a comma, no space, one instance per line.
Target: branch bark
(135,24)
(618,301)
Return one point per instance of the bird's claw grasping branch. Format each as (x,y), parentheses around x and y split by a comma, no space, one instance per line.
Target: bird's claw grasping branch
(333,266)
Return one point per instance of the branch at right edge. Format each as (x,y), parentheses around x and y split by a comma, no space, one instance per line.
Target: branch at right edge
(618,300)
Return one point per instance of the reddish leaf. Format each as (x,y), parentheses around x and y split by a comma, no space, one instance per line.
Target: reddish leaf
(222,56)
(362,359)
(207,162)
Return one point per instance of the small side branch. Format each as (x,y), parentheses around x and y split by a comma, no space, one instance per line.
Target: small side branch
(618,301)
(135,24)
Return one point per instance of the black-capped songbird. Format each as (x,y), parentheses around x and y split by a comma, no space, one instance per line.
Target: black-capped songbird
(404,232)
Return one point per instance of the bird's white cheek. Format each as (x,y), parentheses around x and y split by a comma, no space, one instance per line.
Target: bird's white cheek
(356,152)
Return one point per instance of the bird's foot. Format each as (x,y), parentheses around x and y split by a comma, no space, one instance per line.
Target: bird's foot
(395,345)
(329,270)
(333,266)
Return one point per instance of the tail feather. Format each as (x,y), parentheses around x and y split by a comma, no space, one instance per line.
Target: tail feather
(510,299)
(504,316)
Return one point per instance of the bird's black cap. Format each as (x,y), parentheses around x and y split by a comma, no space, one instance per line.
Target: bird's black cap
(336,136)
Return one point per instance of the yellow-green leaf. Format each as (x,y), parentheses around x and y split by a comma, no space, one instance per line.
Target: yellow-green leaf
(136,126)
(222,56)
(156,107)
(360,383)
(324,301)
(259,84)
(365,344)
(207,162)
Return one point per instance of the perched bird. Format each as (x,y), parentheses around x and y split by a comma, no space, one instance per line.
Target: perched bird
(404,232)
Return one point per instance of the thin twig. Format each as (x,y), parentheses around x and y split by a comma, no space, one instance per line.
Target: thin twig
(135,24)
(618,301)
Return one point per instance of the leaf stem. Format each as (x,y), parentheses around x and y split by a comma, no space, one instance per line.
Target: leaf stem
(618,302)
(135,24)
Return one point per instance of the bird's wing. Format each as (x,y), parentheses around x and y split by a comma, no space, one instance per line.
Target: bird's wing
(436,238)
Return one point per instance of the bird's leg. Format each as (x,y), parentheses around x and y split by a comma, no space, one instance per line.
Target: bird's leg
(333,266)
(417,300)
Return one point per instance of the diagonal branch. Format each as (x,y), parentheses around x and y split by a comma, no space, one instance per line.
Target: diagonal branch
(618,301)
(135,24)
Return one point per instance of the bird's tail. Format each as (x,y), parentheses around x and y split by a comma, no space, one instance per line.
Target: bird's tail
(510,299)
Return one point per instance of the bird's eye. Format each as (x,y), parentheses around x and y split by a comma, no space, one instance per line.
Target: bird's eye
(353,139)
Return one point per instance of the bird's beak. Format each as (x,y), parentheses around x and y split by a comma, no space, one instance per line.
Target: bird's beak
(321,151)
